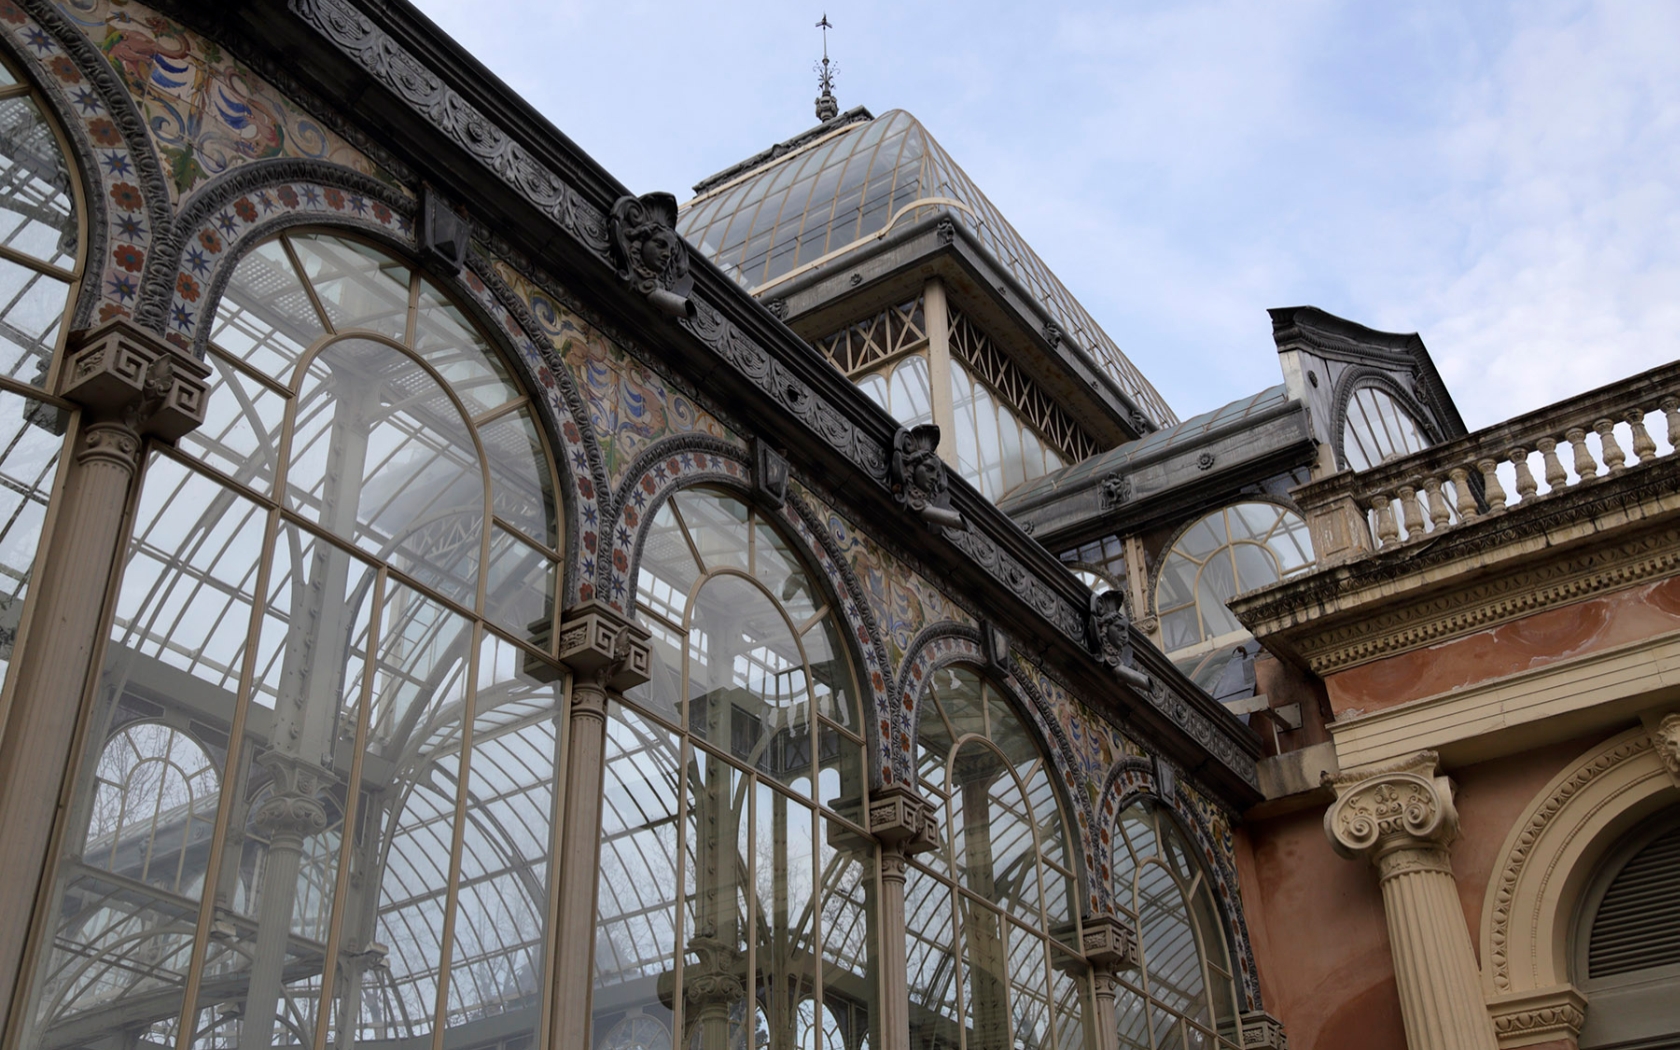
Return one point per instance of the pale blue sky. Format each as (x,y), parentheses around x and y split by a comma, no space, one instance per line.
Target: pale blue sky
(1503,178)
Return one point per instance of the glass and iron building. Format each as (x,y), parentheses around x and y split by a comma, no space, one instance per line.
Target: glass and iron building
(454,603)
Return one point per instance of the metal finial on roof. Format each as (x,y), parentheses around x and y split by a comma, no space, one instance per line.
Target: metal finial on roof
(827,107)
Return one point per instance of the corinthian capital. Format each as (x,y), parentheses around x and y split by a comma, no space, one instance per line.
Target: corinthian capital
(1404,805)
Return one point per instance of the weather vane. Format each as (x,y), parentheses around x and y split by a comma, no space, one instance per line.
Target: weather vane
(827,107)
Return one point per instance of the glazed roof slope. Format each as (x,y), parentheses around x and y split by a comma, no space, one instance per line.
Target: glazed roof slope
(831,192)
(1190,433)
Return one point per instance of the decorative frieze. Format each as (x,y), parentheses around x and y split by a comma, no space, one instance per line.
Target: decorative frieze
(1539,1017)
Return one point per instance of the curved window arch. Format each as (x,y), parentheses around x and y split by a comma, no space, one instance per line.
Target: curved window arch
(1627,939)
(347,574)
(1376,427)
(992,913)
(42,244)
(904,390)
(1229,552)
(1183,988)
(733,864)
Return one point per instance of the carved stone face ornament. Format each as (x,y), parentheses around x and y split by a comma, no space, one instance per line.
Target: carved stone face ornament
(918,476)
(1110,631)
(649,254)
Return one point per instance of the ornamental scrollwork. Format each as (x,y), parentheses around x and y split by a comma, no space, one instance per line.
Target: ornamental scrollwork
(1400,806)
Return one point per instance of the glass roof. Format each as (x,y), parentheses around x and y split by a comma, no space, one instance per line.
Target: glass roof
(860,182)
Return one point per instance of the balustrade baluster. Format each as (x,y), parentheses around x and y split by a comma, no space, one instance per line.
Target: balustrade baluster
(1614,458)
(1671,416)
(1465,499)
(1585,466)
(1387,533)
(1526,485)
(1410,509)
(1439,515)
(1643,447)
(1491,487)
(1556,476)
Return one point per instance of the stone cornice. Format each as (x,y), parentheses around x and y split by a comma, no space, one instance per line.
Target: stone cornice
(1606,536)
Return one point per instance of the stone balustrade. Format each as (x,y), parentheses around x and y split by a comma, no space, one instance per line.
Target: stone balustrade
(1553,450)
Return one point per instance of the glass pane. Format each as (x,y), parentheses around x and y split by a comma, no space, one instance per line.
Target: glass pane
(936,996)
(519,588)
(265,318)
(636,926)
(382,457)
(37,210)
(29,450)
(240,435)
(450,344)
(717,527)
(31,311)
(784,882)
(497,965)
(850,980)
(358,286)
(715,889)
(521,490)
(986,961)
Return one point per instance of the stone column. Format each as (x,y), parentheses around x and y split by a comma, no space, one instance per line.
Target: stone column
(607,654)
(902,822)
(1109,948)
(129,385)
(1401,818)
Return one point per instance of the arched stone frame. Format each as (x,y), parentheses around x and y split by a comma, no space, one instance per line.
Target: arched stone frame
(1133,778)
(1360,376)
(248,205)
(112,150)
(1545,866)
(944,644)
(683,461)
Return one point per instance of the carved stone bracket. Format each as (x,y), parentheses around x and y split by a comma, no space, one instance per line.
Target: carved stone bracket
(1401,806)
(1262,1031)
(1109,944)
(123,374)
(1665,736)
(1116,490)
(649,253)
(601,646)
(918,477)
(902,821)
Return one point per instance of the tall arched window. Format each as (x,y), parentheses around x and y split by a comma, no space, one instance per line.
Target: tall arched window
(342,586)
(737,887)
(1378,428)
(992,912)
(1182,992)
(1231,551)
(1627,940)
(41,249)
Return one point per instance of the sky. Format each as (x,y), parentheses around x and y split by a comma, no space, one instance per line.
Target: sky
(1502,178)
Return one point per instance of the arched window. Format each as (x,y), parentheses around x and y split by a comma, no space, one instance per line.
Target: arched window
(41,249)
(992,912)
(737,887)
(1377,428)
(1182,992)
(1237,549)
(1627,944)
(345,578)
(903,390)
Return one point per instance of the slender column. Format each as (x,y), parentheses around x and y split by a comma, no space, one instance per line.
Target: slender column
(1401,818)
(902,822)
(1109,947)
(607,654)
(936,316)
(130,385)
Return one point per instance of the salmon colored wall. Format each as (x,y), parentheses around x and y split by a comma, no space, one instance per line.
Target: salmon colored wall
(1320,939)
(1599,623)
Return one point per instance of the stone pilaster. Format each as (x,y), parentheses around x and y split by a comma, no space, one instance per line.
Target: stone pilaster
(1401,818)
(904,825)
(129,385)
(607,654)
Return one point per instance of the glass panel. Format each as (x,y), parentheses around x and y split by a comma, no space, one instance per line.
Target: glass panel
(521,490)
(716,528)
(37,209)
(850,979)
(31,311)
(636,930)
(382,457)
(447,342)
(240,435)
(265,318)
(784,881)
(358,286)
(936,998)
(519,588)
(29,450)
(715,887)
(497,965)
